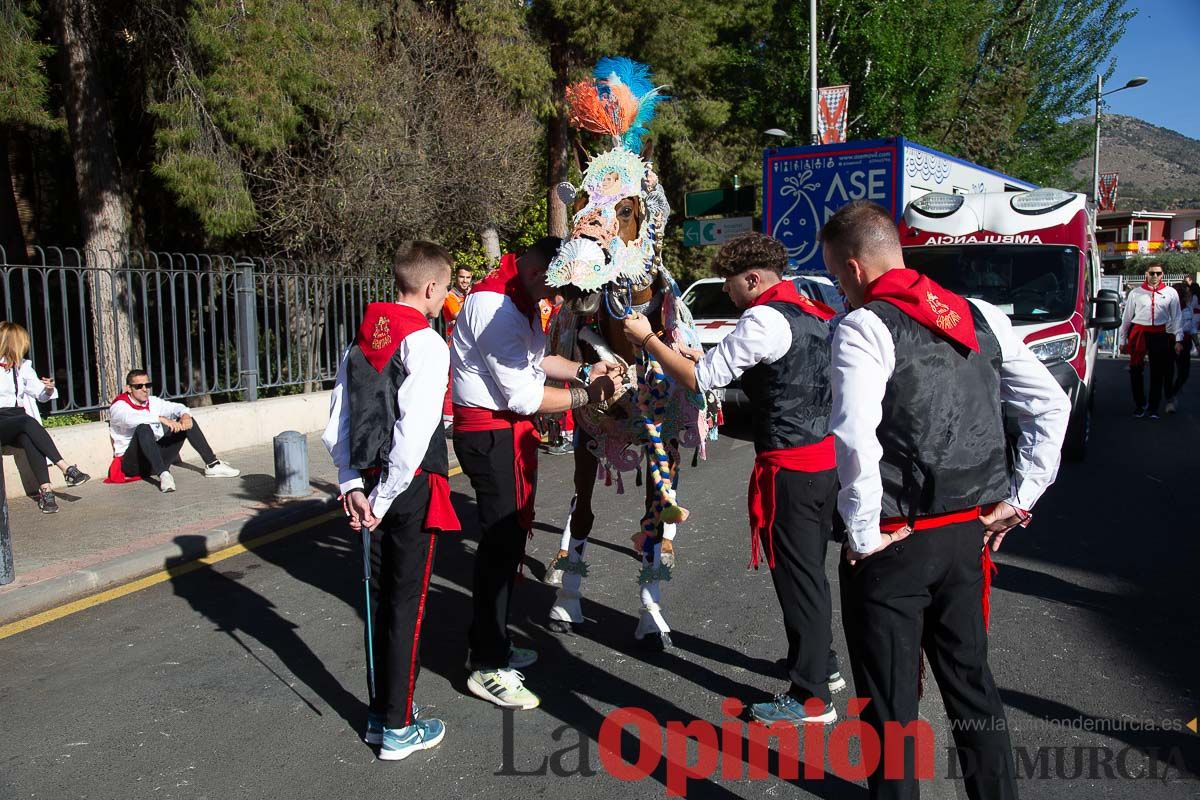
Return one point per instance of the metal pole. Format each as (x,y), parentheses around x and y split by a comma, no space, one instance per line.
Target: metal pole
(1096,150)
(812,70)
(247,331)
(8,572)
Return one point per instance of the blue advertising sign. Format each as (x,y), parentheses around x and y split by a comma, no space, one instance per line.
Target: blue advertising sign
(804,186)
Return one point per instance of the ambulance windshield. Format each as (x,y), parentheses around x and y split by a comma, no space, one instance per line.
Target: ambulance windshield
(1029,283)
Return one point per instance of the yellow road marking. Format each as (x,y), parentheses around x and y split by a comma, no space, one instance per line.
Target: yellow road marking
(58,612)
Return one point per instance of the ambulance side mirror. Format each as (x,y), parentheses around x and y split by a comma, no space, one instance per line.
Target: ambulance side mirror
(1106,310)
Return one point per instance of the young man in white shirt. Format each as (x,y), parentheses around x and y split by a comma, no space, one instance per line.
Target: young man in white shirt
(1150,328)
(387,442)
(148,432)
(499,369)
(919,374)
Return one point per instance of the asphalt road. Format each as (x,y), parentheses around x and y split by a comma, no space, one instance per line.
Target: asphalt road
(245,679)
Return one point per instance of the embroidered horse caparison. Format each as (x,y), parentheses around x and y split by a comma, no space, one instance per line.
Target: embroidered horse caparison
(609,267)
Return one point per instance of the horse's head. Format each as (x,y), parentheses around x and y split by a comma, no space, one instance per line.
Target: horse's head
(617,216)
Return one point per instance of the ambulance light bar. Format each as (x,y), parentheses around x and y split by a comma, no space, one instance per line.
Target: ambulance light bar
(1039,201)
(937,204)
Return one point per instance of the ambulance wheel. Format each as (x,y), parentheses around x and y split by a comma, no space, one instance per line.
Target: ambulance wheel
(1079,429)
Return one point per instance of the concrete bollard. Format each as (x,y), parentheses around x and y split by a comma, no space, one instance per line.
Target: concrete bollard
(291,465)
(8,572)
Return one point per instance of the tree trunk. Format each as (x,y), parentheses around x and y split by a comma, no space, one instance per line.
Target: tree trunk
(103,206)
(556,140)
(13,240)
(491,244)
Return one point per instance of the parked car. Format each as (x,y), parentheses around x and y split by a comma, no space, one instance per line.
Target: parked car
(716,315)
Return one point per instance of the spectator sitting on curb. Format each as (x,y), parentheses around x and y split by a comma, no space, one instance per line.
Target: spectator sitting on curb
(148,433)
(20,421)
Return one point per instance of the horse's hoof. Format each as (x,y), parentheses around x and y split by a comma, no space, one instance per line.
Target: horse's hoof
(656,643)
(559,626)
(665,641)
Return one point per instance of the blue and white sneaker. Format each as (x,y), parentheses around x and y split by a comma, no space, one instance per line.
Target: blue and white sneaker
(400,743)
(521,657)
(785,708)
(375,725)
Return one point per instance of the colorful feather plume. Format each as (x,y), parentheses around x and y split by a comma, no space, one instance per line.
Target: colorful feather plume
(619,101)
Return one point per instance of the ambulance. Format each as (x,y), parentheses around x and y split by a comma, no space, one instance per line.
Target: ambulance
(1033,255)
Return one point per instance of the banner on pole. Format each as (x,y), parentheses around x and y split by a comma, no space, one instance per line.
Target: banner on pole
(833,105)
(1108,191)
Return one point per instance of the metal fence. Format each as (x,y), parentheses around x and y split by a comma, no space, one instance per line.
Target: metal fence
(202,325)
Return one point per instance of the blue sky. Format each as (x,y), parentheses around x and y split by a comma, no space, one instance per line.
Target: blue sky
(1161,43)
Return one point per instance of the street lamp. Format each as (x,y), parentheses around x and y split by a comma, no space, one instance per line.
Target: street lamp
(1135,82)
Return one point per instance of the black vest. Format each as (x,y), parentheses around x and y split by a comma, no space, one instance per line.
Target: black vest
(942,430)
(791,398)
(371,396)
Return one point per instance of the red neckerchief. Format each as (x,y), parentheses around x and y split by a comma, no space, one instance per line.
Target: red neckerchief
(506,281)
(124,397)
(1159,288)
(785,292)
(937,308)
(384,327)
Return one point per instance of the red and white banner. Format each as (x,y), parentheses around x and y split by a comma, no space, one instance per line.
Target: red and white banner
(833,106)
(1108,191)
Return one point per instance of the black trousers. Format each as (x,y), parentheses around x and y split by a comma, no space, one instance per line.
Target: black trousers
(1183,366)
(487,459)
(402,553)
(804,507)
(149,457)
(1160,352)
(926,593)
(18,429)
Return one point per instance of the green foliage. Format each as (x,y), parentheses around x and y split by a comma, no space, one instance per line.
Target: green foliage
(24,84)
(1173,263)
(468,251)
(64,420)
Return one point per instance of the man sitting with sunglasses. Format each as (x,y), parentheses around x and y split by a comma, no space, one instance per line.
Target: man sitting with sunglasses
(148,433)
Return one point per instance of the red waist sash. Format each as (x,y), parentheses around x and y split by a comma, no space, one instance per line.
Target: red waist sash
(761,497)
(1137,340)
(468,419)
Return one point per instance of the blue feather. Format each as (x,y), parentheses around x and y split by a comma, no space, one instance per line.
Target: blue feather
(629,72)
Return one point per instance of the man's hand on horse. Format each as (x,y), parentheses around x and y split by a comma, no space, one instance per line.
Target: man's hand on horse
(601,389)
(602,368)
(637,328)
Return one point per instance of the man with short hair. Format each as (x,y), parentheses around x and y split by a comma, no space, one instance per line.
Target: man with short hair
(148,433)
(1150,328)
(780,350)
(385,439)
(919,374)
(455,298)
(500,368)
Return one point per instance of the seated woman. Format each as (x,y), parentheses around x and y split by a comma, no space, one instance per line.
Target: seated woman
(20,422)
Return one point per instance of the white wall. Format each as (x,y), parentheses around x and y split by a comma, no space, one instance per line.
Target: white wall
(227,427)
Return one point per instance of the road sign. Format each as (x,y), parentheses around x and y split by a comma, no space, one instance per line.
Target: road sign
(697,232)
(720,201)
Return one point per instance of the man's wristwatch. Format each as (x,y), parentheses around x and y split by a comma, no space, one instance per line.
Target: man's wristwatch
(584,371)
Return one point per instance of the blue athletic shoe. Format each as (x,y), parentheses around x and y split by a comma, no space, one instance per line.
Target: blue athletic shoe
(374,734)
(785,708)
(400,743)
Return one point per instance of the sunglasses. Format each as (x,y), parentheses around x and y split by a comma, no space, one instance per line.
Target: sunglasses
(140,385)
(1154,274)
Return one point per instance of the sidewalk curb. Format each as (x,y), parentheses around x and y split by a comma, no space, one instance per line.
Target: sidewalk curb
(81,583)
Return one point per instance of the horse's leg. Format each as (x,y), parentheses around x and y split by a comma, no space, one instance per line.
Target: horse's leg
(652,626)
(569,569)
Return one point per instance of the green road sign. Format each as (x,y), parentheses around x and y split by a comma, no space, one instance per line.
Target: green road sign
(697,232)
(720,201)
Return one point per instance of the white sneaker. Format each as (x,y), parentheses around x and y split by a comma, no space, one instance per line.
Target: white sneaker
(1170,406)
(504,687)
(221,470)
(166,483)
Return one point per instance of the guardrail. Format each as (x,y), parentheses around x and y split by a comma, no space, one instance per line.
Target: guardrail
(214,326)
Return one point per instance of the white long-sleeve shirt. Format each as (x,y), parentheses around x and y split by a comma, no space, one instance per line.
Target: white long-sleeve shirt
(419,413)
(1144,307)
(864,357)
(1189,318)
(124,419)
(496,356)
(22,387)
(762,336)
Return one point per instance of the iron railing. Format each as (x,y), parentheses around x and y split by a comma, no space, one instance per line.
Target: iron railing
(203,325)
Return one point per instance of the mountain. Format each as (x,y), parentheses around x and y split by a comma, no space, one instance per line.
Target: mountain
(1160,168)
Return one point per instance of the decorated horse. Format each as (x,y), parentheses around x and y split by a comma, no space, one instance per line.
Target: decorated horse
(609,267)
